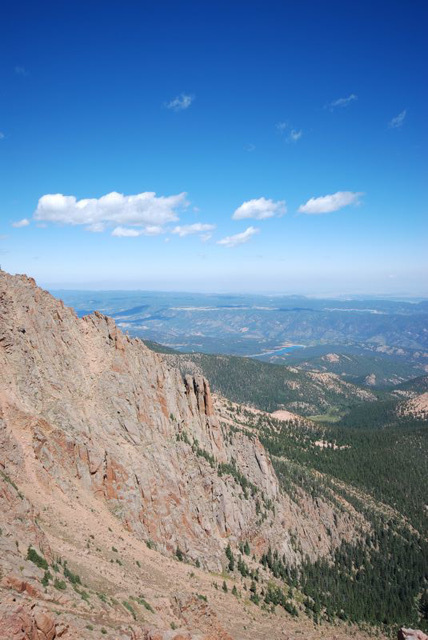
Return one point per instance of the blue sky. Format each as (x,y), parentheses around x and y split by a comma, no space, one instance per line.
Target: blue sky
(278,146)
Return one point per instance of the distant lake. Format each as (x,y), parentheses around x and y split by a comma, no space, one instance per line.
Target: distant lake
(281,351)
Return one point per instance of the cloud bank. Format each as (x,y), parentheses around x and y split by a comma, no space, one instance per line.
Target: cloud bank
(260,209)
(329,203)
(146,211)
(239,238)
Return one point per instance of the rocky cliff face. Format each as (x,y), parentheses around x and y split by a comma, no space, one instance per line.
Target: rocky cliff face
(104,445)
(90,406)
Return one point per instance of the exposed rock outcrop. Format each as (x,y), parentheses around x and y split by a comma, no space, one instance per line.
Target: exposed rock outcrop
(411,634)
(84,405)
(105,448)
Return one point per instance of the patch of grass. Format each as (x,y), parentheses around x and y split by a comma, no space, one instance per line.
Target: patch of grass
(60,584)
(9,480)
(34,557)
(179,554)
(130,608)
(46,578)
(144,604)
(71,577)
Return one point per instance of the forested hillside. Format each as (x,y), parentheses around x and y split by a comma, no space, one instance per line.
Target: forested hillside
(381,577)
(374,456)
(271,387)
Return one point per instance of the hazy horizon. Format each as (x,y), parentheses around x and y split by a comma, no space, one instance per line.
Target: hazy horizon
(405,297)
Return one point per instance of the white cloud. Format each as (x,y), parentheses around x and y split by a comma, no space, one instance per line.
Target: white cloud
(250,147)
(260,209)
(153,230)
(295,135)
(189,229)
(21,223)
(239,238)
(397,122)
(1,135)
(129,232)
(145,210)
(181,102)
(342,102)
(333,202)
(124,232)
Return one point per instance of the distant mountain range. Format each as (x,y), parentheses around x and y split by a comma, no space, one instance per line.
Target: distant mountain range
(246,325)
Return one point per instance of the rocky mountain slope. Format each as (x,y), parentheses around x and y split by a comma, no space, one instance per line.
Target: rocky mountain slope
(122,492)
(274,387)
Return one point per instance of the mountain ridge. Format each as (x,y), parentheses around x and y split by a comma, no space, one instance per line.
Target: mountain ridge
(95,426)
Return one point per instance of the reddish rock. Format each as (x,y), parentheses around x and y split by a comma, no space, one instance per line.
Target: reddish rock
(13,582)
(411,634)
(20,622)
(154,635)
(17,625)
(45,625)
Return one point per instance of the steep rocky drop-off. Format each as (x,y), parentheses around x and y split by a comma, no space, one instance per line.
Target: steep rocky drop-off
(106,449)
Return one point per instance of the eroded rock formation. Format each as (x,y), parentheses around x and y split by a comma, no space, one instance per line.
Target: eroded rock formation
(105,450)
